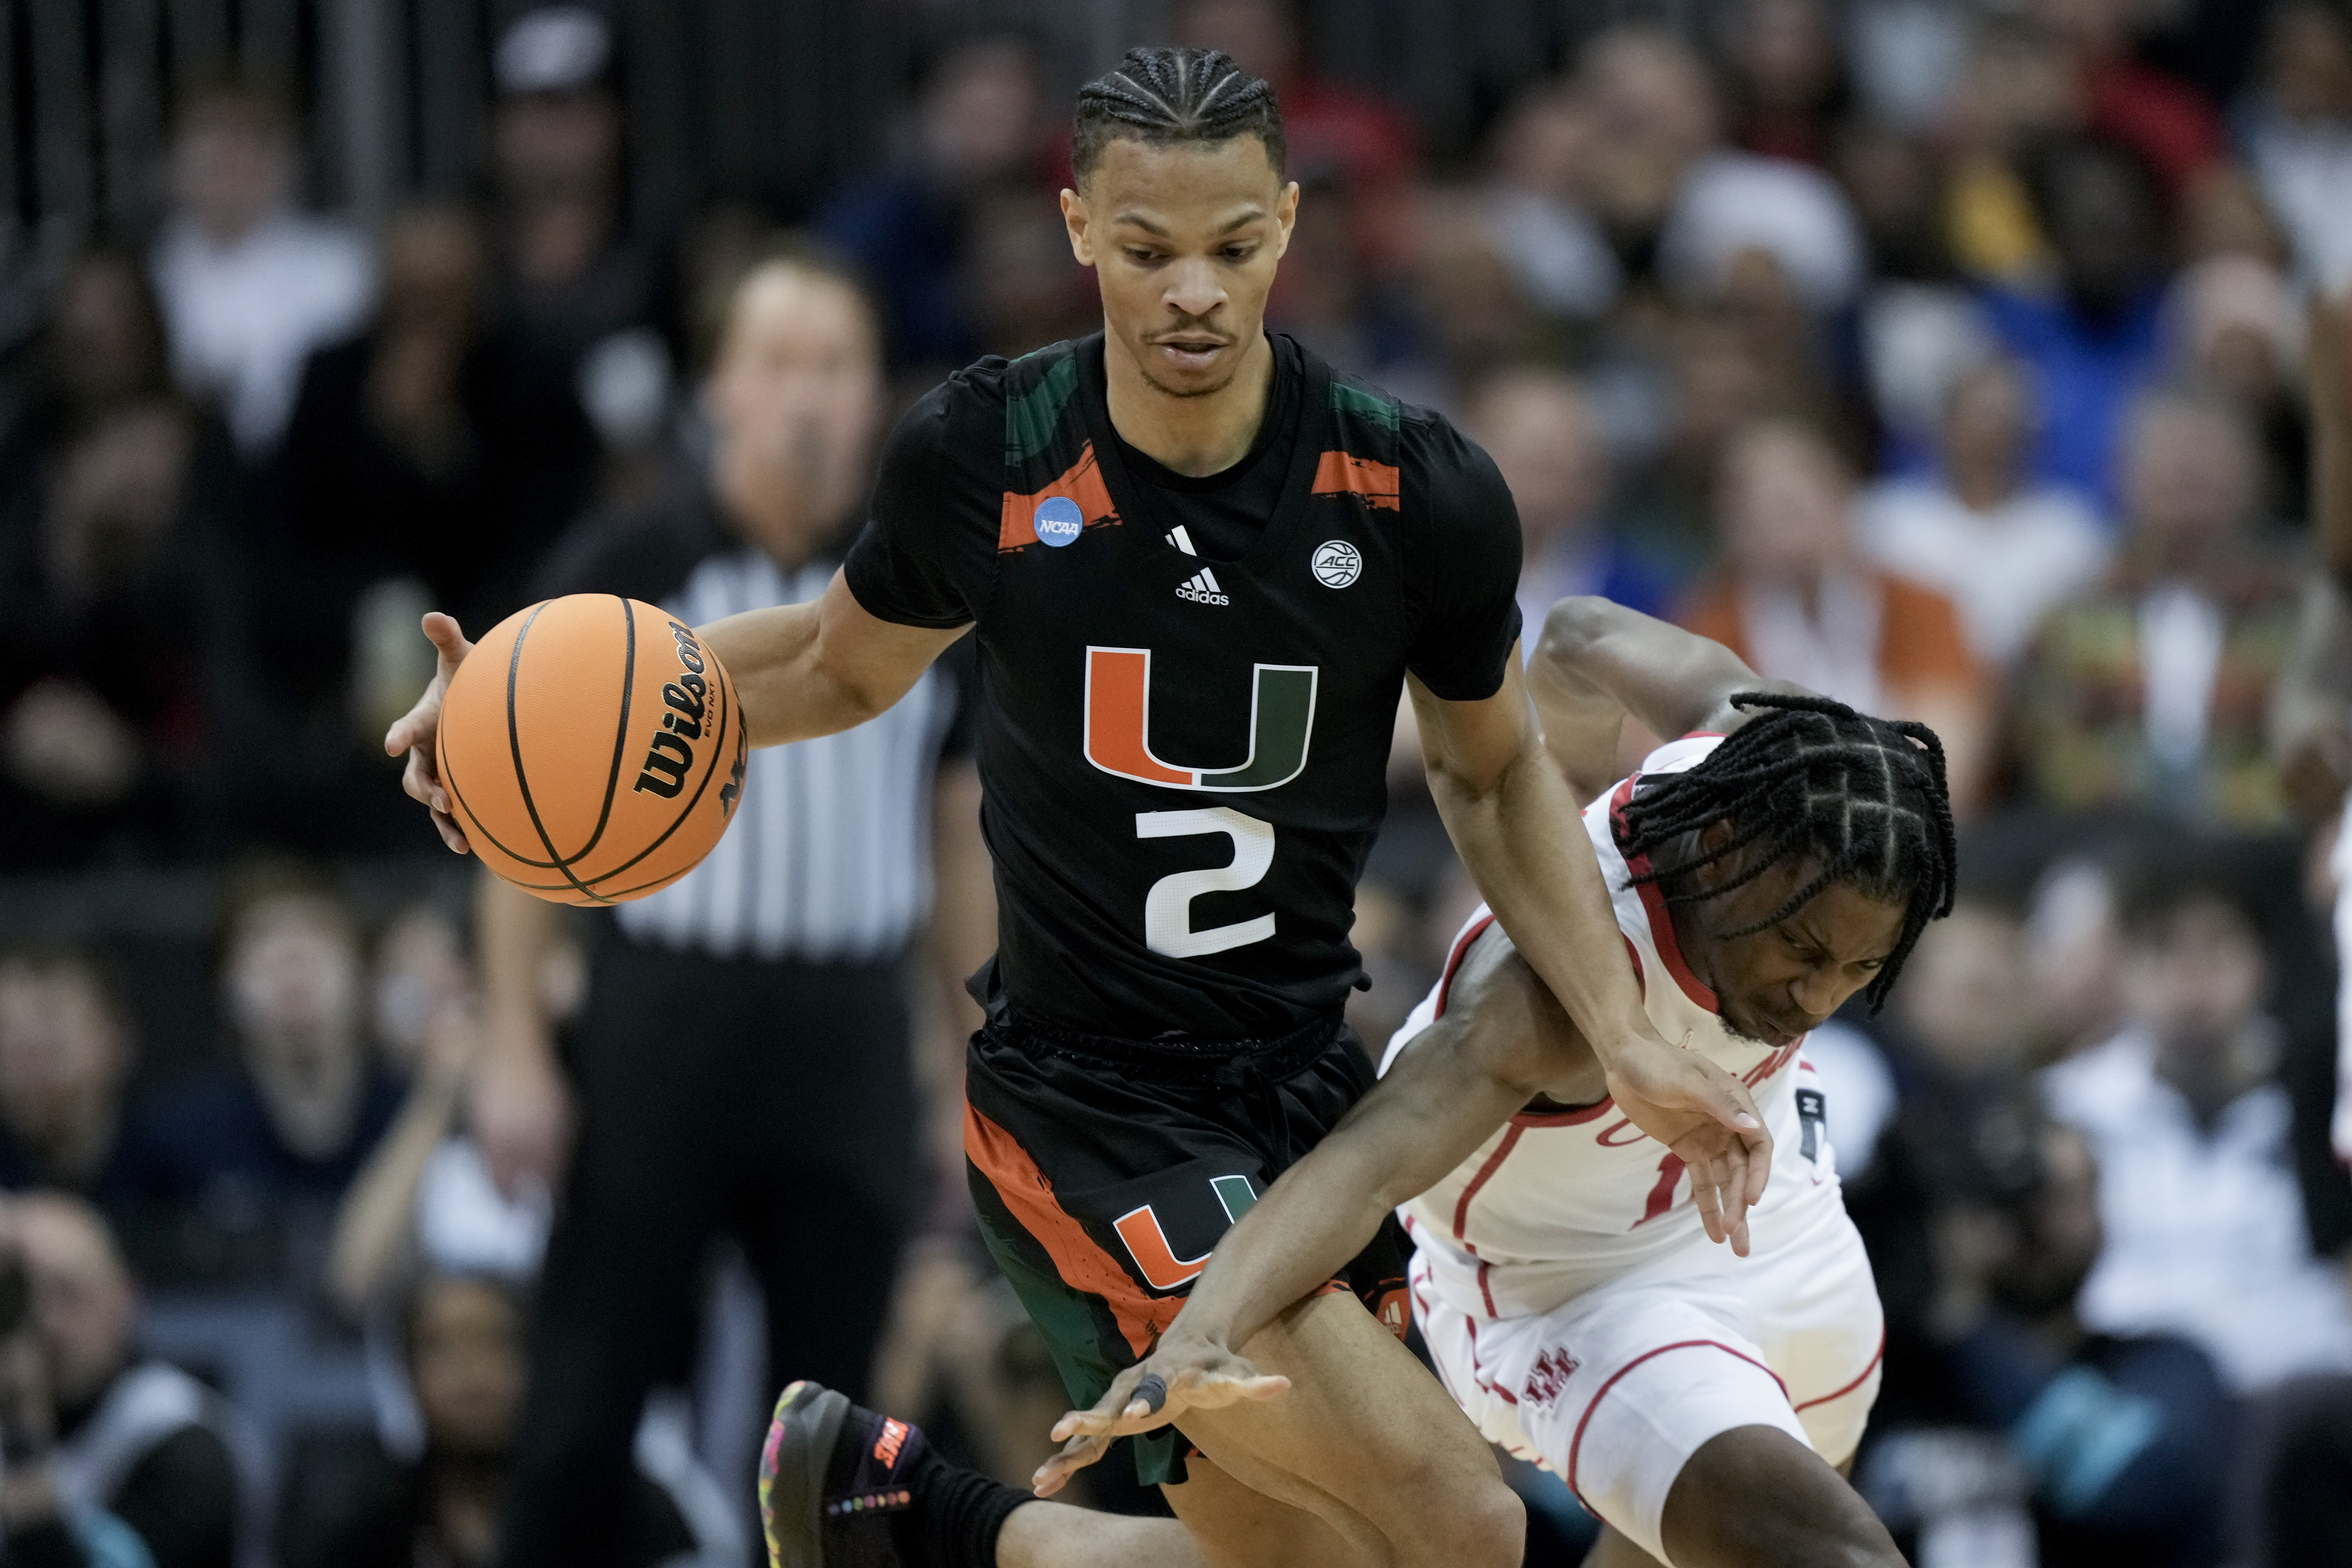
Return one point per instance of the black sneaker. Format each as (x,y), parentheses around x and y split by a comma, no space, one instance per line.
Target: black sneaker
(832,1475)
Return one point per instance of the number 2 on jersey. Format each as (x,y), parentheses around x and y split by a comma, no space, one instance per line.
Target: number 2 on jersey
(1168,907)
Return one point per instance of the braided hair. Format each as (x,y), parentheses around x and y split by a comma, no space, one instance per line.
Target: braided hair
(1810,777)
(1163,96)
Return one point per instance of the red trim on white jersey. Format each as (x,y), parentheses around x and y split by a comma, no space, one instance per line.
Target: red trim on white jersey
(1654,903)
(1453,960)
(1576,1443)
(1486,1173)
(1859,1378)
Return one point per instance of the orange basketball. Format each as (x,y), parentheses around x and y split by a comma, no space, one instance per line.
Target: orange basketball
(592,749)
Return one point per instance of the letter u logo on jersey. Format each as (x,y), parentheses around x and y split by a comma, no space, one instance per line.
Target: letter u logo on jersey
(1118,708)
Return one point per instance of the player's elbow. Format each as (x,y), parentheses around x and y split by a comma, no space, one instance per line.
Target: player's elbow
(1571,628)
(1487,1527)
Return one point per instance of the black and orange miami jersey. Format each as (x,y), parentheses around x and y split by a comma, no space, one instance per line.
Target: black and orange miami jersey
(1188,687)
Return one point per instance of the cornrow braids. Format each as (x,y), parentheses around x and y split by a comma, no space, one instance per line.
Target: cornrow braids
(1165,96)
(1808,777)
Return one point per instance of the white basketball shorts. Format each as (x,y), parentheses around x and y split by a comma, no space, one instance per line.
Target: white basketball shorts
(1616,1388)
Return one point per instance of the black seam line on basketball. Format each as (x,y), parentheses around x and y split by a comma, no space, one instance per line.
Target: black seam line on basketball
(449,777)
(620,732)
(514,753)
(708,773)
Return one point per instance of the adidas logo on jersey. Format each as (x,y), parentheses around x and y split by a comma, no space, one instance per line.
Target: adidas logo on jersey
(1202,589)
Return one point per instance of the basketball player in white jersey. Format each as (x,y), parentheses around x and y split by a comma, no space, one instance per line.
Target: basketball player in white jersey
(1780,857)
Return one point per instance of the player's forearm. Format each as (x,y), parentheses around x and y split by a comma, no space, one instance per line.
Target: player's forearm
(1520,837)
(774,656)
(1593,653)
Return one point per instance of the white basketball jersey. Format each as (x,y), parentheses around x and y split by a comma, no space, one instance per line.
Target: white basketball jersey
(1558,1201)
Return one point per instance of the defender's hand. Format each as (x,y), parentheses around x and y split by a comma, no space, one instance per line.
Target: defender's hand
(1707,1117)
(417,731)
(1189,1375)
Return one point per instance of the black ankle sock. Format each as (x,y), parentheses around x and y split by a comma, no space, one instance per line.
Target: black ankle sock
(957,1517)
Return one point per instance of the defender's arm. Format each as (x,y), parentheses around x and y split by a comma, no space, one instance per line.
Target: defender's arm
(1597,662)
(1503,1040)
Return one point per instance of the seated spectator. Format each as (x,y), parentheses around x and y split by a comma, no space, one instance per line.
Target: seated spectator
(2296,127)
(1532,210)
(569,276)
(1789,86)
(249,287)
(2205,1230)
(2118,1445)
(2163,120)
(100,351)
(2151,690)
(1797,601)
(2092,342)
(1682,207)
(2003,548)
(2019,93)
(298,1113)
(464,1340)
(2238,329)
(428,448)
(123,682)
(113,1460)
(1542,433)
(975,132)
(65,1054)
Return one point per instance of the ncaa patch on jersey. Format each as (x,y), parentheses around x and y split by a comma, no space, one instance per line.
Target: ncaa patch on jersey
(1336,562)
(1058,520)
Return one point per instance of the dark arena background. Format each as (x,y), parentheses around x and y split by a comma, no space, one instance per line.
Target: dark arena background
(1981,362)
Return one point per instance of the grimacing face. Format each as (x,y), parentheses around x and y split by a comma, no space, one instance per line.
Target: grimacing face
(1183,240)
(1777,984)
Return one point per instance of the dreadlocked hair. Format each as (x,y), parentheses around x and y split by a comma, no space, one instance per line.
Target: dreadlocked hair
(1811,778)
(1163,96)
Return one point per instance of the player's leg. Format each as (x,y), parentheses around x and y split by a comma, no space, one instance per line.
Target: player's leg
(1755,1497)
(1365,1441)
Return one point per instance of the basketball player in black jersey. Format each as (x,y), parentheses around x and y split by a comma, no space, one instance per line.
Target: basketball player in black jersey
(1201,565)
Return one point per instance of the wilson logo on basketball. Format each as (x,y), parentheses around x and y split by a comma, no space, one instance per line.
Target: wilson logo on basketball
(670,755)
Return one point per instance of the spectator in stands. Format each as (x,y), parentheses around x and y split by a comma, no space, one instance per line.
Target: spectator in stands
(1787,78)
(569,276)
(2163,120)
(430,449)
(2152,688)
(1540,429)
(249,286)
(788,1119)
(2121,1443)
(122,669)
(112,1459)
(976,132)
(1679,205)
(1335,131)
(465,1339)
(1797,601)
(2091,345)
(1530,205)
(2019,93)
(2205,1230)
(2237,327)
(2003,548)
(2296,130)
(419,974)
(101,349)
(294,1117)
(66,1055)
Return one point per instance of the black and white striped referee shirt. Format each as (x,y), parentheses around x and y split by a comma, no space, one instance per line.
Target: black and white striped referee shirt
(829,857)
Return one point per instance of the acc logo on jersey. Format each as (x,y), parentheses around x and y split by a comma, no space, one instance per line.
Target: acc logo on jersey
(1118,729)
(1058,520)
(1336,563)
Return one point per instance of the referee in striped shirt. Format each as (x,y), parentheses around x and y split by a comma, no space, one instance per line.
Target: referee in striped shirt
(744,1064)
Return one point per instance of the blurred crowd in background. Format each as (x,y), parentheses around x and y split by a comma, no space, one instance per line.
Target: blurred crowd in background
(1945,358)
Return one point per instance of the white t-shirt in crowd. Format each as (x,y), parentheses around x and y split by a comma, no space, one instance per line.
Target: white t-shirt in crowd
(2004,569)
(244,317)
(2205,1233)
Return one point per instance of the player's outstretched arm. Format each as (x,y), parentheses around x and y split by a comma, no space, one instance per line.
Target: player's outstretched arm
(1512,817)
(799,670)
(1597,662)
(1456,1082)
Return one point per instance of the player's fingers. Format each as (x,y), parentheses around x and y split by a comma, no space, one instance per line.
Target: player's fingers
(1710,1206)
(1106,1412)
(1076,1455)
(445,636)
(1758,1148)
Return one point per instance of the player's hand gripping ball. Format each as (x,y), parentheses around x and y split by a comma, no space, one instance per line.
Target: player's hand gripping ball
(592,749)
